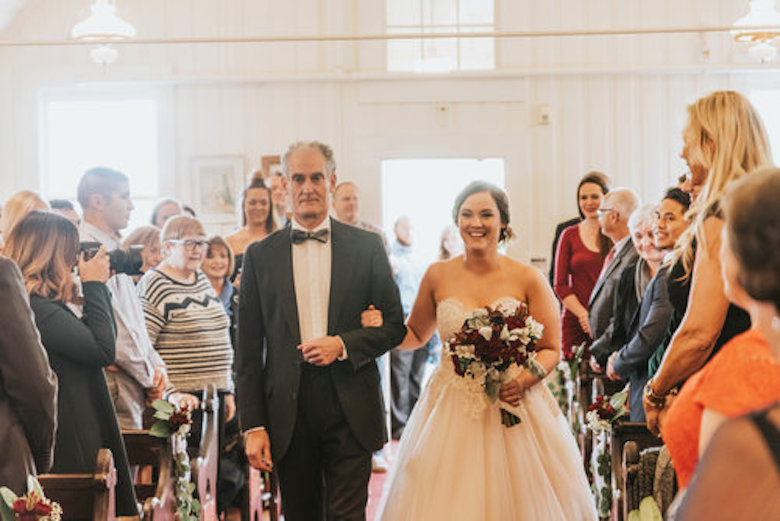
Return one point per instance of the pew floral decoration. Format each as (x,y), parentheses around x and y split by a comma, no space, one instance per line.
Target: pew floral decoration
(175,423)
(601,415)
(33,506)
(564,382)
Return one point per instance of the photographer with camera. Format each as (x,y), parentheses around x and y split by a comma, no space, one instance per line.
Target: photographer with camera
(138,376)
(79,335)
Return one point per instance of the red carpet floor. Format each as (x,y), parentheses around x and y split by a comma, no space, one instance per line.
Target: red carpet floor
(378,482)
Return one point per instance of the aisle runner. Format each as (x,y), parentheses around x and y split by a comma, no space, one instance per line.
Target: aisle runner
(378,482)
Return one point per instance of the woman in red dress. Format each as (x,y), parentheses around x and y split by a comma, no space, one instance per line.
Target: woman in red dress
(578,262)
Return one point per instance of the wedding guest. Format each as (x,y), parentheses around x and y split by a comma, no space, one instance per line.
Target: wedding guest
(217,266)
(346,198)
(45,245)
(257,221)
(633,281)
(66,209)
(604,181)
(450,243)
(738,476)
(18,206)
(28,387)
(280,198)
(578,262)
(163,210)
(189,210)
(149,238)
(724,138)
(614,212)
(651,321)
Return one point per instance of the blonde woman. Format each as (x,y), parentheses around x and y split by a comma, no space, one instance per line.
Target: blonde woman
(149,238)
(724,140)
(17,207)
(45,246)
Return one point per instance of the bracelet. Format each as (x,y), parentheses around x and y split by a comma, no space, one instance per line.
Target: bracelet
(654,399)
(536,369)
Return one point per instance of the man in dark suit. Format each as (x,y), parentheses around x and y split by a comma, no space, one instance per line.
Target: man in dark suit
(308,383)
(28,387)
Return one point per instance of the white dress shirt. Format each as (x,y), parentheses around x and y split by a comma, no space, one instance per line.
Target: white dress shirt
(311,277)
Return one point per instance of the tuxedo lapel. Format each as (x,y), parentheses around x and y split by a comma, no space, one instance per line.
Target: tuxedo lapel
(286,282)
(339,273)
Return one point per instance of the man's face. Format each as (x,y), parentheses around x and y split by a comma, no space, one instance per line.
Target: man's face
(669,224)
(279,192)
(310,185)
(117,207)
(165,212)
(403,232)
(607,216)
(345,203)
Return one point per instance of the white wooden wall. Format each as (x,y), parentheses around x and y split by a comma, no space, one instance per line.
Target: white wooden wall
(617,103)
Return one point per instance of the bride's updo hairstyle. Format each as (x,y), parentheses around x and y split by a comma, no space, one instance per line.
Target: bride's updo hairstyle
(498,195)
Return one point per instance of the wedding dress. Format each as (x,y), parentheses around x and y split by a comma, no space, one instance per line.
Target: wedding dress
(457,462)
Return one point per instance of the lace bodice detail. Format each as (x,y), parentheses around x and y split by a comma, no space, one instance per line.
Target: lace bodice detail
(450,315)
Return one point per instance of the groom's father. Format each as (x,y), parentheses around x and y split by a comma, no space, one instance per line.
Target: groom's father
(308,384)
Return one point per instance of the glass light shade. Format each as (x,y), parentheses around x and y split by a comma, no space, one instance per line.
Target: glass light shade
(104,54)
(763,52)
(103,23)
(762,14)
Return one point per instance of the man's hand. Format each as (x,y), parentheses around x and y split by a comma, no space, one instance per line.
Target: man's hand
(371,317)
(184,401)
(595,365)
(257,446)
(611,374)
(321,351)
(230,407)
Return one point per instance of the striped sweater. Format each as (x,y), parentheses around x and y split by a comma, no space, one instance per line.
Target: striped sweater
(188,326)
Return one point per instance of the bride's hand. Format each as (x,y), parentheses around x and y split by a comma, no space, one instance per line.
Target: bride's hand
(371,317)
(511,392)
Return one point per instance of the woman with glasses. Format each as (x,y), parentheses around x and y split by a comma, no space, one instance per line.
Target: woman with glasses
(185,318)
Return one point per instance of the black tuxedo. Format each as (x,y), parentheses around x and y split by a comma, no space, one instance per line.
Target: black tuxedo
(277,390)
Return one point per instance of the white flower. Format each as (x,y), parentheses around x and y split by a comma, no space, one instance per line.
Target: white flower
(465,351)
(522,335)
(504,335)
(486,332)
(534,327)
(596,424)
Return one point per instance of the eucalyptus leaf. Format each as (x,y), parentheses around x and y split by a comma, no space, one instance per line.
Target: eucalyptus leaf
(6,512)
(160,430)
(162,405)
(492,388)
(8,496)
(162,415)
(618,400)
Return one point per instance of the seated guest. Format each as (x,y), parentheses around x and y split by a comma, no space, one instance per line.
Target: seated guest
(257,220)
(739,473)
(46,248)
(149,238)
(185,318)
(724,140)
(650,323)
(66,209)
(28,387)
(163,210)
(631,285)
(17,207)
(743,376)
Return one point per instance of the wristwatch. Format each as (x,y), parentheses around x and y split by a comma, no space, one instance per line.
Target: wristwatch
(654,399)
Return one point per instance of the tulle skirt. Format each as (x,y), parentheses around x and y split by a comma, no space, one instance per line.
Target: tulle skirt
(456,461)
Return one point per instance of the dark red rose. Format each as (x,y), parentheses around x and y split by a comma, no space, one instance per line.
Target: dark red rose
(178,419)
(456,363)
(42,509)
(20,505)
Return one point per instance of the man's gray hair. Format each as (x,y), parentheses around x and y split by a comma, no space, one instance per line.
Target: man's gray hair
(322,148)
(624,201)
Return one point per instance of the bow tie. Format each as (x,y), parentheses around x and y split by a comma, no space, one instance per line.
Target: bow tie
(299,236)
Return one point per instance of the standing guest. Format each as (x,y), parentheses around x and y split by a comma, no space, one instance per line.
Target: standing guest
(257,221)
(46,247)
(28,387)
(603,180)
(217,266)
(578,262)
(311,407)
(615,210)
(280,198)
(450,243)
(346,206)
(185,318)
(163,210)
(406,366)
(651,321)
(725,138)
(17,208)
(738,476)
(187,209)
(631,286)
(149,238)
(138,374)
(66,209)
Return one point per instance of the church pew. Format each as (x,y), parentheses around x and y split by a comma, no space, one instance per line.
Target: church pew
(204,451)
(629,439)
(261,493)
(85,496)
(158,498)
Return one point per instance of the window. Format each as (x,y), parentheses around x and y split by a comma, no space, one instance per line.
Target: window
(424,190)
(767,104)
(117,133)
(440,16)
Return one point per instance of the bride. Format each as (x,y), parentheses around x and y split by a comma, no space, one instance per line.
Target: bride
(456,460)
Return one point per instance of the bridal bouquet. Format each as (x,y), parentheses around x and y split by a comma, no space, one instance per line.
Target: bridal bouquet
(33,506)
(490,342)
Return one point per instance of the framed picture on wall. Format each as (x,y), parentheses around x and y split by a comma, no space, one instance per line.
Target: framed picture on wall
(217,183)
(270,165)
